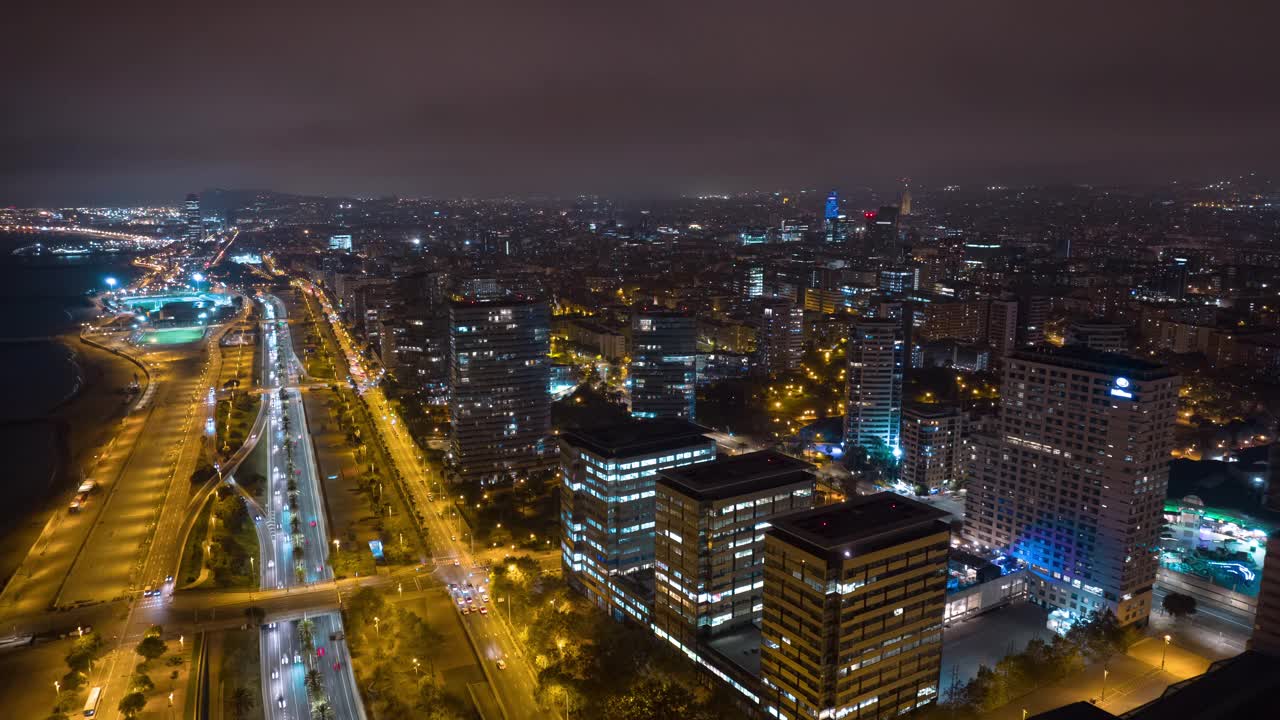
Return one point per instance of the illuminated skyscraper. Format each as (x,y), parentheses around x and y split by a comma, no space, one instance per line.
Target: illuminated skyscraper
(709,541)
(607,505)
(832,210)
(194,222)
(931,437)
(780,342)
(1072,477)
(854,598)
(500,397)
(663,371)
(873,408)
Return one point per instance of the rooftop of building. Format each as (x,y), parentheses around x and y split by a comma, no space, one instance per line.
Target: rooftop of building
(505,300)
(1097,324)
(661,312)
(636,437)
(877,322)
(1079,357)
(860,525)
(736,475)
(931,410)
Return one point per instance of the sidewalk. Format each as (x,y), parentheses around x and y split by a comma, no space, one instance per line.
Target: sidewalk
(1132,679)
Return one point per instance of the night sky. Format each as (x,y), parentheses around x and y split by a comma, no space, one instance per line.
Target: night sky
(137,102)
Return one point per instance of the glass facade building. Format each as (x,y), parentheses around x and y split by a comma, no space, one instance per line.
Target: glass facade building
(663,370)
(499,394)
(607,506)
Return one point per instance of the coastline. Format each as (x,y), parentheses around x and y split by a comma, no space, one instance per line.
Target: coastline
(82,422)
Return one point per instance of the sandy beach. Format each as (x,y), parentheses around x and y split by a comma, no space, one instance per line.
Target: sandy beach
(74,431)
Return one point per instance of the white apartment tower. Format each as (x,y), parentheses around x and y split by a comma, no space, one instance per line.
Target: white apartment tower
(1072,476)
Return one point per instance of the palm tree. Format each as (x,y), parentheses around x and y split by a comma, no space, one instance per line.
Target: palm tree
(322,711)
(314,682)
(241,702)
(306,634)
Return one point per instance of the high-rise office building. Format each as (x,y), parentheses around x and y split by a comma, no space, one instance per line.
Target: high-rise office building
(749,281)
(1071,477)
(780,342)
(832,219)
(831,210)
(873,407)
(1033,315)
(709,541)
(1002,326)
(499,376)
(340,242)
(882,233)
(663,371)
(193,220)
(607,505)
(896,281)
(854,596)
(1102,336)
(931,437)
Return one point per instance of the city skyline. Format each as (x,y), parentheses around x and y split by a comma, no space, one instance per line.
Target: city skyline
(714,361)
(661,100)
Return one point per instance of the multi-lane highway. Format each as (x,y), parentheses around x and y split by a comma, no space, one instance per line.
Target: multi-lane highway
(286,662)
(293,536)
(297,553)
(513,679)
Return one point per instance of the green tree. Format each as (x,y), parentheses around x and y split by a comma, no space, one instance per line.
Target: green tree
(322,711)
(306,634)
(241,702)
(151,647)
(314,682)
(141,682)
(1179,605)
(132,704)
(655,699)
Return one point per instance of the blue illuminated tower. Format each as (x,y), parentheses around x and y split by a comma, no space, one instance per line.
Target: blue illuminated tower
(832,219)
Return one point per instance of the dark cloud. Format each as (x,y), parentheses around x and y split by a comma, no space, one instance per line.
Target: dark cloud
(143,101)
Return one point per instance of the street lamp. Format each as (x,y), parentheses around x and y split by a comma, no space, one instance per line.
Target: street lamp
(377,627)
(1105,673)
(57,688)
(1165,650)
(416,671)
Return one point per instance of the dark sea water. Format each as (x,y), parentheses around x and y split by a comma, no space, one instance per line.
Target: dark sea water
(39,298)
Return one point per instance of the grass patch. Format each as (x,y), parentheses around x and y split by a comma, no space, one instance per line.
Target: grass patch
(241,670)
(235,543)
(193,553)
(233,420)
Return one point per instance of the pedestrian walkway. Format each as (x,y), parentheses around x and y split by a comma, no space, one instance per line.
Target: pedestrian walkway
(1124,683)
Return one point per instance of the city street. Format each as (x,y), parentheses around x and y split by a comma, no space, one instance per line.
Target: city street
(491,634)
